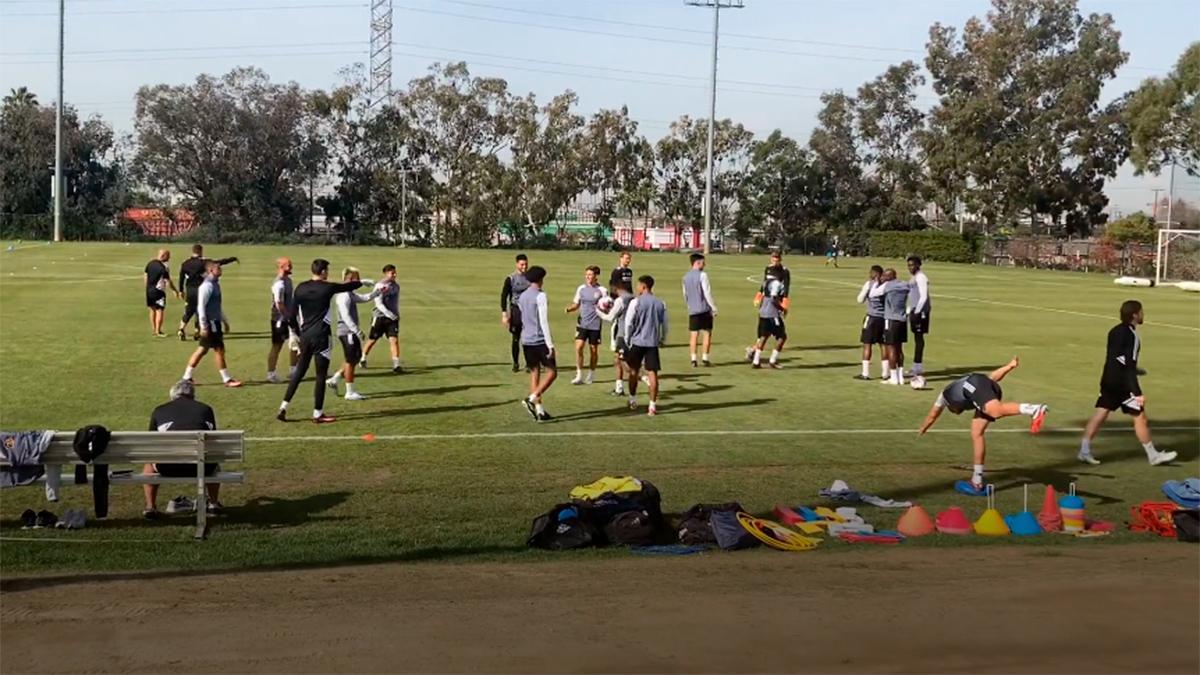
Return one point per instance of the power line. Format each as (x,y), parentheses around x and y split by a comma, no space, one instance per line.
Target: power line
(291,45)
(195,10)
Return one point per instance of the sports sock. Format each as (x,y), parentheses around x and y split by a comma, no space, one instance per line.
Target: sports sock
(579,373)
(654,405)
(887,369)
(866,371)
(540,410)
(774,356)
(225,376)
(317,413)
(395,363)
(1085,447)
(283,405)
(350,388)
(1029,409)
(1150,449)
(591,375)
(619,387)
(705,358)
(977,477)
(918,369)
(533,398)
(337,377)
(188,372)
(693,356)
(757,356)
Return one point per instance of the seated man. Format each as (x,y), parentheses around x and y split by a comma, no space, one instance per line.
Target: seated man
(183,413)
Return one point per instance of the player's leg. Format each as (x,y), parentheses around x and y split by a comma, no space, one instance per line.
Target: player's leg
(306,355)
(898,363)
(1089,432)
(692,338)
(193,361)
(516,351)
(579,342)
(759,345)
(593,358)
(653,375)
(918,366)
(997,409)
(394,346)
(222,367)
(999,373)
(150,493)
(321,360)
(707,347)
(979,427)
(866,349)
(1141,428)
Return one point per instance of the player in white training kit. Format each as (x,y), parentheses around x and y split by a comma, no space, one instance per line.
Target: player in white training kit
(872,327)
(621,296)
(349,332)
(918,316)
(701,307)
(587,332)
(283,320)
(385,319)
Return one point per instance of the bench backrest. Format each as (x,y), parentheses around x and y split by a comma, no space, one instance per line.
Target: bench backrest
(146,447)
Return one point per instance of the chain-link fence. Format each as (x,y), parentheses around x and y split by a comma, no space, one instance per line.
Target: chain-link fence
(1083,255)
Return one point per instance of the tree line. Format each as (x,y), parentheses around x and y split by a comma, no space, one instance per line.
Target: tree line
(1017,137)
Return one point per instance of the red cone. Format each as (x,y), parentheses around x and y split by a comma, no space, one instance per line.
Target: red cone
(1050,518)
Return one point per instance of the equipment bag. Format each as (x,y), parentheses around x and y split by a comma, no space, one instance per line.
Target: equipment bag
(631,528)
(1187,524)
(729,533)
(695,528)
(561,528)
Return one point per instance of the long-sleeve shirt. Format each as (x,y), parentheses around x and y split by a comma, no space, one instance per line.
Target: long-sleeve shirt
(874,302)
(191,271)
(895,294)
(514,285)
(697,293)
(312,304)
(208,305)
(646,321)
(387,301)
(616,314)
(347,307)
(1120,361)
(535,318)
(920,288)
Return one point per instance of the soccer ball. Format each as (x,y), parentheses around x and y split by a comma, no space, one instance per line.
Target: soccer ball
(918,382)
(605,304)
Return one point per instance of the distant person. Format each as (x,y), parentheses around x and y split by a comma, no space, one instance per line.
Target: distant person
(283,318)
(191,275)
(510,313)
(872,327)
(982,393)
(182,413)
(646,328)
(213,325)
(622,297)
(537,343)
(1119,387)
(918,316)
(622,272)
(832,253)
(350,333)
(157,278)
(385,318)
(895,322)
(587,330)
(701,307)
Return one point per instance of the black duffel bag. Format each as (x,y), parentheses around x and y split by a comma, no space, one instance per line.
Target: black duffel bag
(561,528)
(695,526)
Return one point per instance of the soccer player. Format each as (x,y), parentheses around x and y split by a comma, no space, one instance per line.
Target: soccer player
(895,322)
(312,309)
(831,254)
(983,394)
(157,278)
(586,301)
(1119,387)
(191,275)
(918,316)
(283,318)
(872,328)
(536,342)
(701,307)
(646,328)
(213,323)
(349,333)
(616,316)
(622,272)
(775,271)
(385,318)
(510,314)
(771,312)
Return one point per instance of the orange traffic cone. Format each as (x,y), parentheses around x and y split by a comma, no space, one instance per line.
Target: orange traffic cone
(915,522)
(1051,517)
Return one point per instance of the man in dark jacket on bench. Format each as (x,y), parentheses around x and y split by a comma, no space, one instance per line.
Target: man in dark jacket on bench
(183,413)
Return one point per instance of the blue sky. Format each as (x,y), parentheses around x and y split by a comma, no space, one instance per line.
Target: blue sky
(652,55)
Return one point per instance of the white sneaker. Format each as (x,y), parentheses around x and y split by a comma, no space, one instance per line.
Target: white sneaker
(1163,458)
(588,379)
(181,504)
(1087,458)
(749,354)
(888,381)
(354,396)
(362,363)
(578,379)
(273,378)
(331,383)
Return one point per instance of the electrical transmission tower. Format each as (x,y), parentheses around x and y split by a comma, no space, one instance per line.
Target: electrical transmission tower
(380,83)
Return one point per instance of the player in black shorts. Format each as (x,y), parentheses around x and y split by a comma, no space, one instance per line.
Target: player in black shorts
(510,314)
(157,279)
(873,322)
(1119,387)
(982,394)
(191,275)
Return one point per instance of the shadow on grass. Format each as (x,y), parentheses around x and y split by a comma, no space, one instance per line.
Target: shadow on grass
(430,390)
(805,348)
(955,372)
(247,336)
(429,410)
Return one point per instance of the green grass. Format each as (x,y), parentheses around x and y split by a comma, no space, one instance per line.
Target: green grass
(75,349)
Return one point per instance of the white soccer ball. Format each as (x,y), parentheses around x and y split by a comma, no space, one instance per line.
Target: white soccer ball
(605,304)
(918,382)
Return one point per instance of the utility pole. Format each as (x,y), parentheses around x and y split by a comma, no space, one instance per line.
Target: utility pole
(717,6)
(1171,195)
(58,115)
(1154,205)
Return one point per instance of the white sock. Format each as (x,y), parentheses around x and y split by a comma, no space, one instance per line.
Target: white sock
(291,372)
(579,373)
(350,388)
(1150,449)
(337,377)
(757,356)
(538,407)
(188,372)
(1028,409)
(591,375)
(693,356)
(898,375)
(977,477)
(887,369)
(654,405)
(774,356)
(317,413)
(533,398)
(283,405)
(619,387)
(271,375)
(1085,447)
(395,363)
(225,376)
(705,358)
(866,371)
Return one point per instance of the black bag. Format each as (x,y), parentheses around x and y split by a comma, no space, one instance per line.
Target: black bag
(620,519)
(561,528)
(631,528)
(1187,524)
(694,527)
(90,442)
(729,533)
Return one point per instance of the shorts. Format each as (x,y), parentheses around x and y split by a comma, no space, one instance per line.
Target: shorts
(351,348)
(156,298)
(185,470)
(895,332)
(514,321)
(588,335)
(1111,399)
(214,340)
(872,330)
(280,332)
(317,345)
(383,326)
(539,356)
(702,321)
(638,357)
(919,322)
(985,391)
(771,328)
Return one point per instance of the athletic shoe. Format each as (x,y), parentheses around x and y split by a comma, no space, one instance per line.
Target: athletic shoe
(633,405)
(516,368)
(151,514)
(233,384)
(181,504)
(399,370)
(776,365)
(1039,418)
(616,392)
(324,419)
(578,379)
(1087,458)
(272,378)
(160,335)
(354,396)
(707,363)
(196,336)
(749,354)
(530,407)
(281,415)
(182,338)
(544,417)
(651,412)
(588,380)
(332,384)
(756,366)
(1158,458)
(864,378)
(888,381)
(28,519)
(695,365)
(214,508)
(362,363)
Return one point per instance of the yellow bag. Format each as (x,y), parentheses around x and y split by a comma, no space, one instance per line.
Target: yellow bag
(615,484)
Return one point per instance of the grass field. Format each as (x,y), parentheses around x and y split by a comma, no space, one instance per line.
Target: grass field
(458,469)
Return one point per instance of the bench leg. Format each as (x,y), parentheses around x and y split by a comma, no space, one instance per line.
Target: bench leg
(201,503)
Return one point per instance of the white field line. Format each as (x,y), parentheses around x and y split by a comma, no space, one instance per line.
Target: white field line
(14,249)
(681,432)
(1004,304)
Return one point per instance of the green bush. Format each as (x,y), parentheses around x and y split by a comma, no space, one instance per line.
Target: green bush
(929,244)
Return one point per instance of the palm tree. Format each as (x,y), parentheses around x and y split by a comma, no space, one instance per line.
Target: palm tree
(21,96)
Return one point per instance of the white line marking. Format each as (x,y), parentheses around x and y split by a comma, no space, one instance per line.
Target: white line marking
(681,432)
(14,249)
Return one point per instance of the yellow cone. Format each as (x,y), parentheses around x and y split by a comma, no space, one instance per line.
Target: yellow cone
(991,524)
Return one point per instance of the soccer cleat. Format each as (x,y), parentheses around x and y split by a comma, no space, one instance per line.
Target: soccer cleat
(749,354)
(160,334)
(281,415)
(530,408)
(181,504)
(1039,418)
(324,419)
(775,365)
(707,363)
(516,368)
(578,379)
(588,380)
(233,384)
(651,412)
(1163,458)
(151,514)
(1087,458)
(398,370)
(182,338)
(214,508)
(756,366)
(887,381)
(354,396)
(332,384)
(272,378)
(864,378)
(633,404)
(362,363)
(544,416)
(695,365)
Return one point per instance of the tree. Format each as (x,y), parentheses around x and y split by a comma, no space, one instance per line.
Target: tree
(889,126)
(682,163)
(547,156)
(620,164)
(236,149)
(20,96)
(1164,117)
(1137,228)
(839,199)
(779,191)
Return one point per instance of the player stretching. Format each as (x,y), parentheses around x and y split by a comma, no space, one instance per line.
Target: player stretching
(157,279)
(872,328)
(586,301)
(982,392)
(618,340)
(536,342)
(385,318)
(212,321)
(191,275)
(312,309)
(646,328)
(1119,387)
(701,307)
(895,322)
(918,317)
(283,318)
(771,311)
(510,314)
(349,334)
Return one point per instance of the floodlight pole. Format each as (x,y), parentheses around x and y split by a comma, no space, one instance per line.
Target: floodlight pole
(58,123)
(717,6)
(1171,195)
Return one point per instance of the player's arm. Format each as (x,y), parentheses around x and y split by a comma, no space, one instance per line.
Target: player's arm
(505,295)
(543,310)
(202,307)
(343,301)
(629,312)
(1125,360)
(170,283)
(662,330)
(708,294)
(226,261)
(381,307)
(575,301)
(277,298)
(862,294)
(879,290)
(613,312)
(934,413)
(922,293)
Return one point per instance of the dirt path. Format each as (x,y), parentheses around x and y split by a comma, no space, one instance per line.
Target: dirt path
(1084,608)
